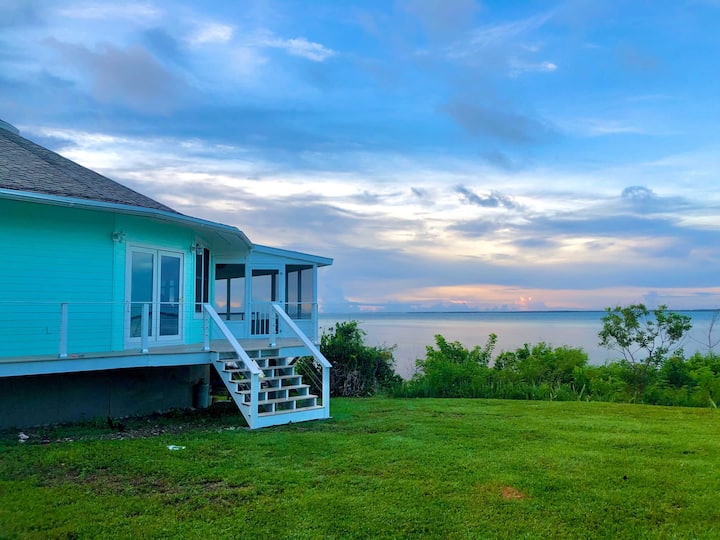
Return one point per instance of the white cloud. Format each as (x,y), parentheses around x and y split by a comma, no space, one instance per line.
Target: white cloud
(366,208)
(508,47)
(496,35)
(132,11)
(212,33)
(518,67)
(300,47)
(597,127)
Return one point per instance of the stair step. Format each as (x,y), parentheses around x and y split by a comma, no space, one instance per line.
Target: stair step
(289,411)
(266,377)
(237,360)
(287,399)
(290,366)
(264,368)
(266,388)
(277,388)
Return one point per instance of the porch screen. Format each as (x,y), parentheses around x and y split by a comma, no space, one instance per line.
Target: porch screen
(230,291)
(299,291)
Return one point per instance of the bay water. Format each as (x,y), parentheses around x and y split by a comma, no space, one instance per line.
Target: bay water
(411,333)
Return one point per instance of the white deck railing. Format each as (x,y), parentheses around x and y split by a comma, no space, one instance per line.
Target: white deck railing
(68,329)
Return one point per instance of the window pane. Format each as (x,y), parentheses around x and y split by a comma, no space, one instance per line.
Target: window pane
(141,285)
(206,276)
(308,286)
(202,279)
(198,282)
(169,295)
(169,319)
(264,285)
(141,290)
(237,298)
(292,291)
(169,278)
(136,319)
(221,290)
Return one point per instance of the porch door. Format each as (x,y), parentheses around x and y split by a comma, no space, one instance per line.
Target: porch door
(155,279)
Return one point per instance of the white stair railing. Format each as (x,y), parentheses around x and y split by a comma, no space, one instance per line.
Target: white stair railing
(314,351)
(255,372)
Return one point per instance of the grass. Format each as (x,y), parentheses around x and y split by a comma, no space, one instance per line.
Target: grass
(381,468)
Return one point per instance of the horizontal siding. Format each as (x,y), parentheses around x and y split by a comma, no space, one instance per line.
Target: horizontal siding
(155,233)
(59,254)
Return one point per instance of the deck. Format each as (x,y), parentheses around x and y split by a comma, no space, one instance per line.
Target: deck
(157,356)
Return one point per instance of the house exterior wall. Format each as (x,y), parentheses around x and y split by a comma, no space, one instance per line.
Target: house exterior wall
(52,255)
(55,254)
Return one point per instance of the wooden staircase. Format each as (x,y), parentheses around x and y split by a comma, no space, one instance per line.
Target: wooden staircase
(283,398)
(262,382)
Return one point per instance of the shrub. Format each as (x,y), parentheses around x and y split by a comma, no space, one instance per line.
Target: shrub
(530,372)
(542,363)
(357,369)
(451,370)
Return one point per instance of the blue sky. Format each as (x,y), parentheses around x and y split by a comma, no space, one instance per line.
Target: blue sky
(451,154)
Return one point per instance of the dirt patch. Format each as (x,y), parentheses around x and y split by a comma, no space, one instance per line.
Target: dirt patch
(509,493)
(103,482)
(141,427)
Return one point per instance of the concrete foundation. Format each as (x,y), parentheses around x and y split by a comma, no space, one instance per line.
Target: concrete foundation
(75,397)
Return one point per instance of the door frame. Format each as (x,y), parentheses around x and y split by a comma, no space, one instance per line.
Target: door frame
(155,338)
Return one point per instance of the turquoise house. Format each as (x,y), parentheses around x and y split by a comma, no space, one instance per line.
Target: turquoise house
(114,304)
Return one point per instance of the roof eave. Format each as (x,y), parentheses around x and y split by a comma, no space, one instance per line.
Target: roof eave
(315,259)
(161,215)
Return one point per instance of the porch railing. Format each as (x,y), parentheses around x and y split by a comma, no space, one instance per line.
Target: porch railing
(70,329)
(74,329)
(264,320)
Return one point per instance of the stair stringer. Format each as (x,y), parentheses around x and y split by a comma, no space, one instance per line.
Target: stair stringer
(226,377)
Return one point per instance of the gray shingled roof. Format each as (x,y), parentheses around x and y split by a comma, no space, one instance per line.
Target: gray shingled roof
(26,166)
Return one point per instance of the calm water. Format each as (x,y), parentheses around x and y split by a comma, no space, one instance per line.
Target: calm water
(412,332)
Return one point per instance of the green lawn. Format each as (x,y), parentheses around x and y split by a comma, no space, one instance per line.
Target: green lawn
(381,468)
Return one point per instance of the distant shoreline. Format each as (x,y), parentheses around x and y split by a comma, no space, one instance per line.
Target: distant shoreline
(413,331)
(495,312)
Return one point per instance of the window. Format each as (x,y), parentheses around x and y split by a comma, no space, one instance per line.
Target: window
(202,278)
(230,291)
